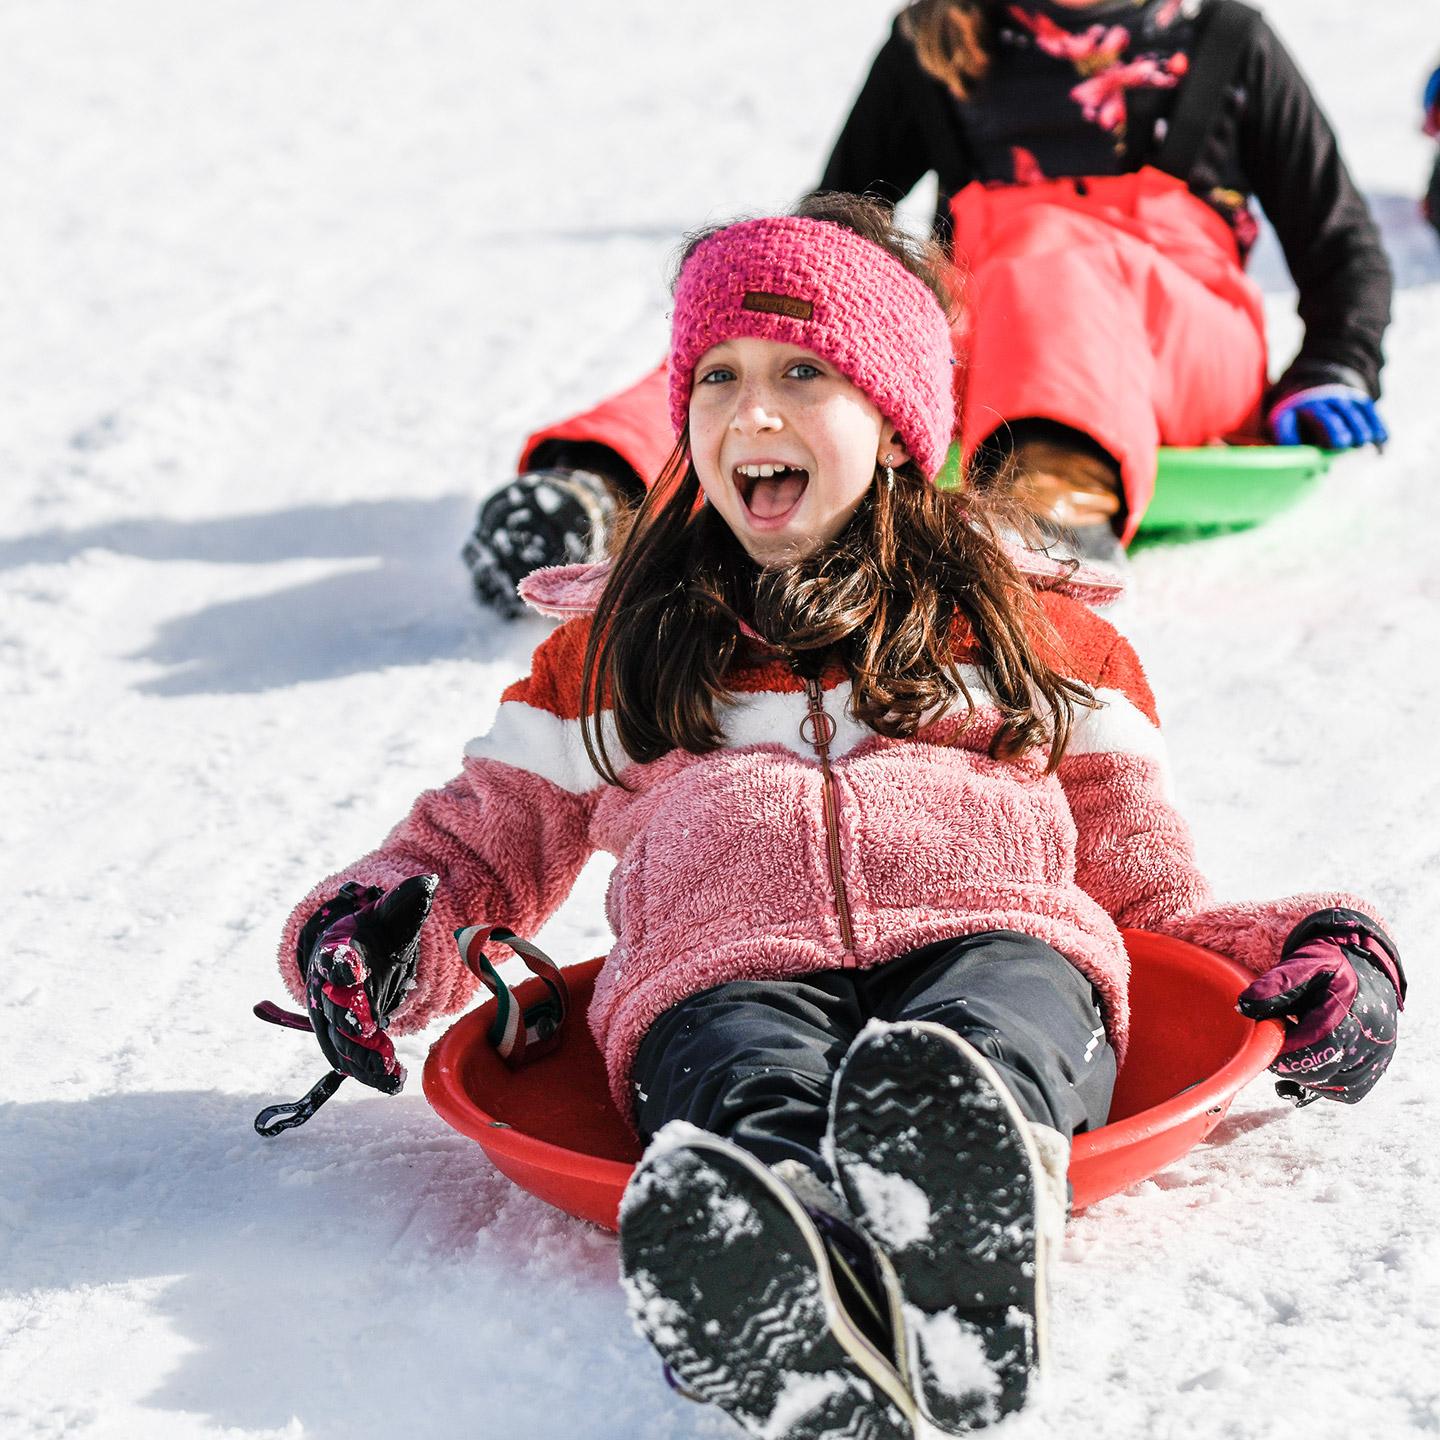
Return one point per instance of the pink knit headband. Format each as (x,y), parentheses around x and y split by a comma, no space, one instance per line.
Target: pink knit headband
(822,286)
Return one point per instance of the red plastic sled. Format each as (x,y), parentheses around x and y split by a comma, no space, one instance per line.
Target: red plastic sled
(552,1129)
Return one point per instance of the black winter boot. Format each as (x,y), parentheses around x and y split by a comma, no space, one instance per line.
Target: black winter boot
(540,518)
(730,1279)
(937,1162)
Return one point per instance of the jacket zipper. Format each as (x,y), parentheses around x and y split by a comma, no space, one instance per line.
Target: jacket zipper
(818,730)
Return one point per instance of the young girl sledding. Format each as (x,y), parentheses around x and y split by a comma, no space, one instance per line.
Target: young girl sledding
(1097,164)
(880,791)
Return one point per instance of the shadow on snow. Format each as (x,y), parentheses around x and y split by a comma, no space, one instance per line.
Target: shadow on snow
(372,1273)
(407,606)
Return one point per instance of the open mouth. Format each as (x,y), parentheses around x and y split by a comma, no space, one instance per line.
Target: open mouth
(771,490)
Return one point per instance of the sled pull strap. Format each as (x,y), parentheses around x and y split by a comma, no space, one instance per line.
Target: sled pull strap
(269,1011)
(274,1119)
(517,1035)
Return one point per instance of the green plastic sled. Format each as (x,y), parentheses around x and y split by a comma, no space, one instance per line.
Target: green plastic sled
(1227,487)
(1208,488)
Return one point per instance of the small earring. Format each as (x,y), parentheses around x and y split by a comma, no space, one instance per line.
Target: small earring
(889,473)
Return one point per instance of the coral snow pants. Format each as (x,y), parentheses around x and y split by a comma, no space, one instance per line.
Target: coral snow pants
(754,1060)
(1115,305)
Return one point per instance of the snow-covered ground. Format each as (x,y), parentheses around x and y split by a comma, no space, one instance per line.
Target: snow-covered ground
(284,288)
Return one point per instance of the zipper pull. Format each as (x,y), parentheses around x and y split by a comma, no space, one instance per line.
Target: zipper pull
(817,729)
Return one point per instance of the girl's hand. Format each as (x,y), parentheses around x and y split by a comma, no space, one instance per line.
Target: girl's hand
(1325,405)
(358,955)
(1339,988)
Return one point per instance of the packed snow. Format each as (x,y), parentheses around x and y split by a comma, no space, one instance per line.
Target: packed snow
(801,1396)
(285,288)
(896,1209)
(955,1351)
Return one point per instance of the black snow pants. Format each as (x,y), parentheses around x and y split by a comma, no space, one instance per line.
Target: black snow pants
(754,1060)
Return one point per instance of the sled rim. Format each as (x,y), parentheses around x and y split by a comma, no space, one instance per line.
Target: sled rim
(446,1091)
(1228,487)
(1124,1152)
(1103,1162)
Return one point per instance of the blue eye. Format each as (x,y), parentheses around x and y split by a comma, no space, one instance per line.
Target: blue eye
(810,371)
(713,377)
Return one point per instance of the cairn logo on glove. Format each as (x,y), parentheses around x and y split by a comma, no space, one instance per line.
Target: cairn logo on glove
(1339,988)
(1308,1060)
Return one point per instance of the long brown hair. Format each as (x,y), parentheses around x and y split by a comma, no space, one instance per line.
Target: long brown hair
(952,40)
(915,572)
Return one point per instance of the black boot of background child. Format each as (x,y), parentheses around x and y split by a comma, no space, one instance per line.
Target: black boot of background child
(729,1277)
(938,1164)
(563,512)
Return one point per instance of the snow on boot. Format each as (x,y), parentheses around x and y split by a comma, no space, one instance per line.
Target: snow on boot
(730,1280)
(544,517)
(939,1165)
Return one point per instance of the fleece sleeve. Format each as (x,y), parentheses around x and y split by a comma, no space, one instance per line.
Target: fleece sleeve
(1134,852)
(507,836)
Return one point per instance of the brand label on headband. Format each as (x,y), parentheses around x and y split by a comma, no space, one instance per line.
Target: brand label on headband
(769,304)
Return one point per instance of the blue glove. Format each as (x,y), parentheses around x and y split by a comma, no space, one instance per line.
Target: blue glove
(1432,104)
(1332,413)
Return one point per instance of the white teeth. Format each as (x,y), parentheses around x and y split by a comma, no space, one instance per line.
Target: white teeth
(763,472)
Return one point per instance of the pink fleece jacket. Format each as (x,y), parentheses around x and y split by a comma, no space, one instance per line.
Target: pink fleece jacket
(723,866)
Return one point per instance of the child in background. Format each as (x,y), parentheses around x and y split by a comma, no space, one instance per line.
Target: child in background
(1097,165)
(1430,206)
(880,789)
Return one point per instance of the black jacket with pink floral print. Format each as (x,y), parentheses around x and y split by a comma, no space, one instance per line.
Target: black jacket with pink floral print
(1090,92)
